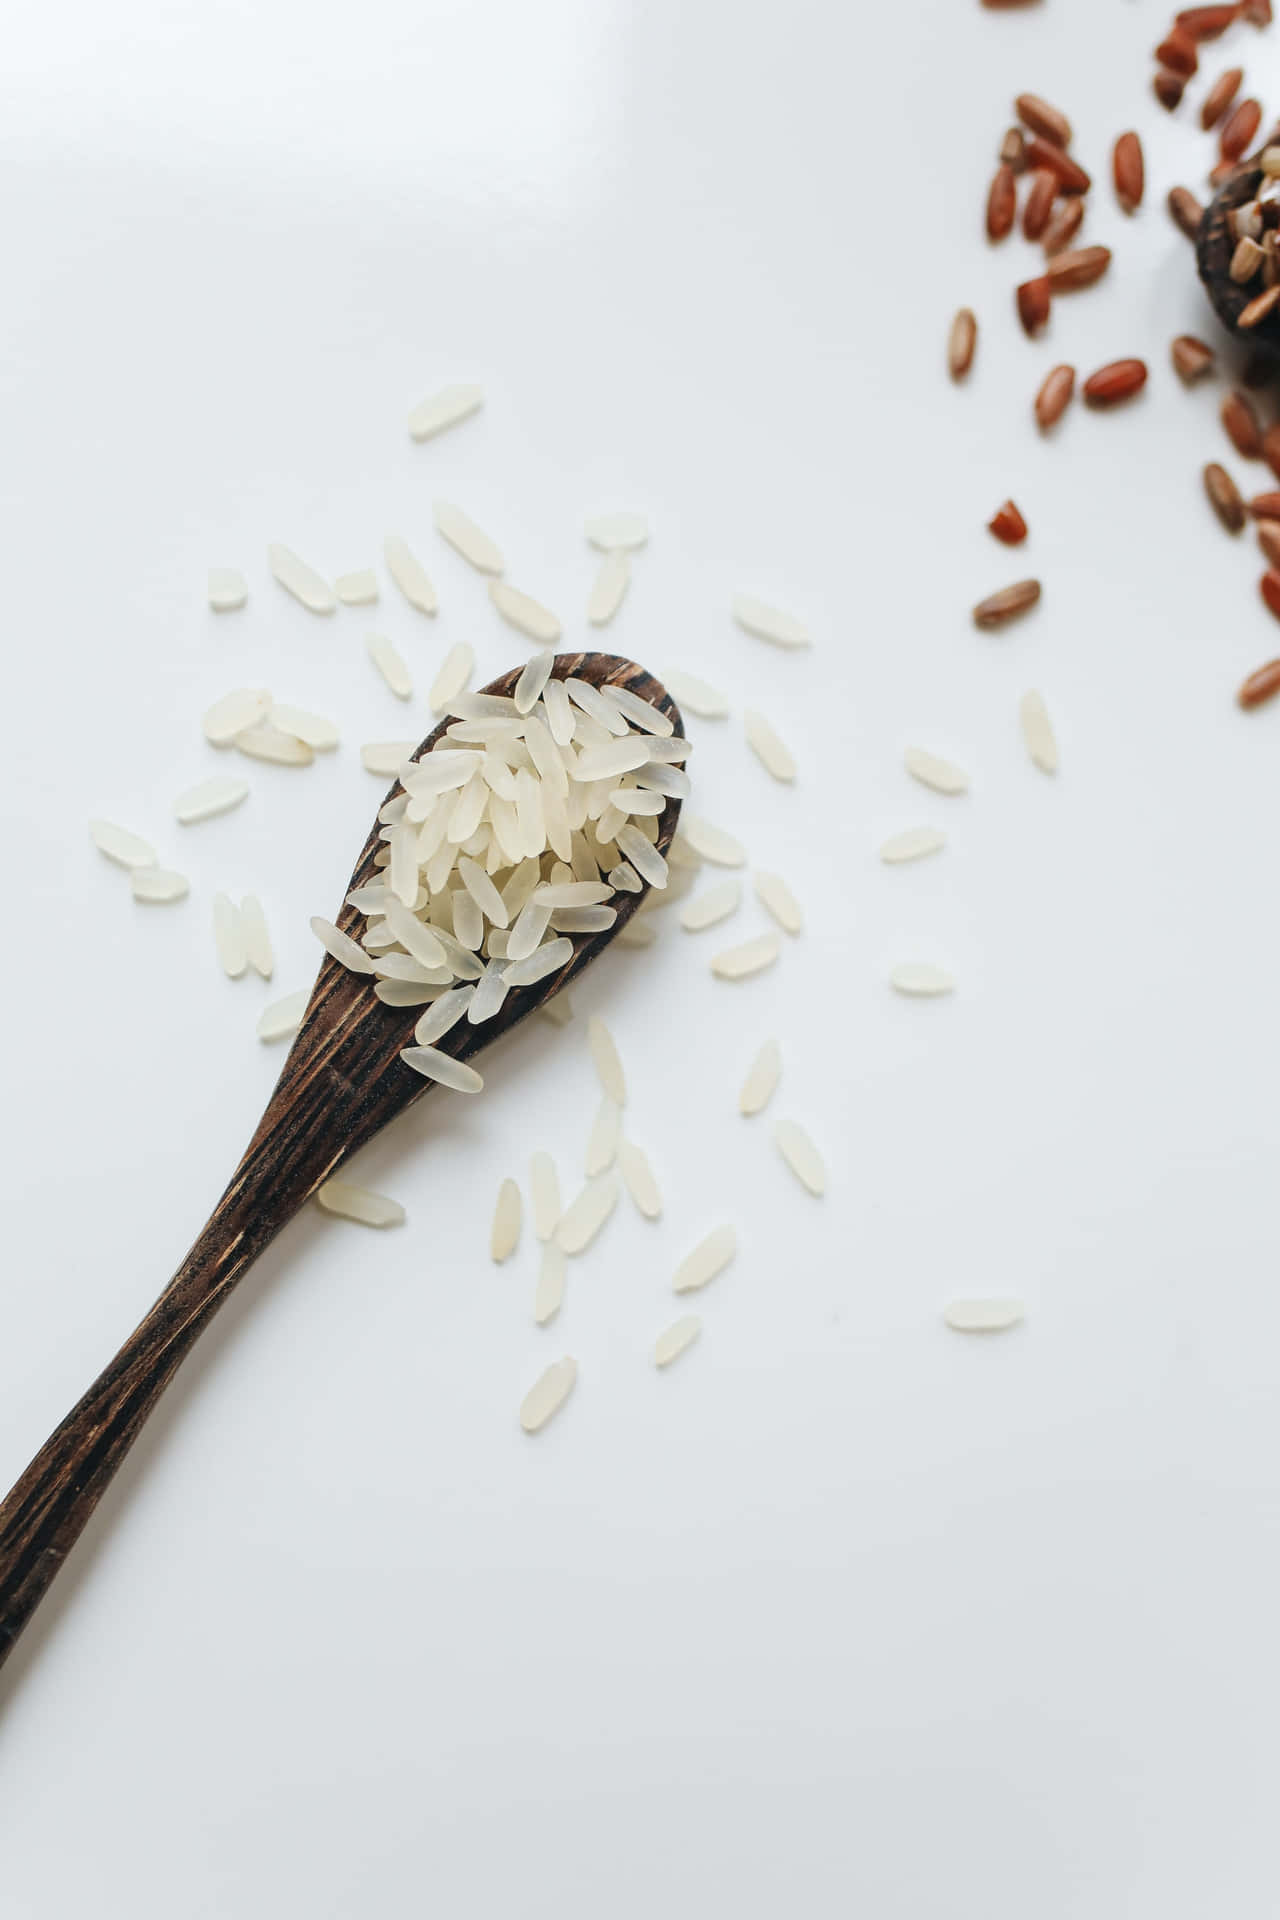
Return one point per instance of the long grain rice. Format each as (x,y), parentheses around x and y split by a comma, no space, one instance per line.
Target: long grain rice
(711,843)
(932,771)
(602,1142)
(442,1068)
(673,1340)
(341,946)
(302,581)
(546,960)
(610,531)
(533,680)
(762,1079)
(639,1179)
(409,574)
(208,799)
(124,848)
(1037,731)
(920,979)
(158,886)
(698,695)
(774,894)
(583,1218)
(228,936)
(227,589)
(444,409)
(710,1257)
(358,589)
(383,757)
(283,1017)
(466,538)
(983,1316)
(607,1061)
(265,742)
(753,956)
(769,750)
(610,587)
(548,1394)
(549,1294)
(769,623)
(800,1154)
(362,1204)
(390,665)
(257,940)
(524,613)
(544,1193)
(716,904)
(241,708)
(442,1015)
(504,1234)
(913,844)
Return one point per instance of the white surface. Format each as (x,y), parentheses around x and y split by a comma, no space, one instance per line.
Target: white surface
(846,1614)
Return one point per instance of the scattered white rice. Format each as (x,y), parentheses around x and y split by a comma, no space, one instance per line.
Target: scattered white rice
(611,531)
(359,589)
(607,1060)
(773,756)
(931,771)
(1038,732)
(283,1017)
(455,670)
(983,1316)
(774,894)
(312,728)
(360,1203)
(504,1235)
(610,587)
(762,1079)
(544,1194)
(711,843)
(227,589)
(638,1177)
(800,1154)
(233,713)
(257,940)
(341,946)
(583,1218)
(913,844)
(385,757)
(442,1068)
(228,936)
(266,742)
(548,1394)
(673,1340)
(466,538)
(302,581)
(158,886)
(753,956)
(532,682)
(602,1142)
(712,906)
(524,613)
(698,695)
(709,1258)
(549,1294)
(409,574)
(444,409)
(390,665)
(769,623)
(125,848)
(209,798)
(921,979)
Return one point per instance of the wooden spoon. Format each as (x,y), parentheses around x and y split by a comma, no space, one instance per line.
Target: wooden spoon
(1214,248)
(342,1082)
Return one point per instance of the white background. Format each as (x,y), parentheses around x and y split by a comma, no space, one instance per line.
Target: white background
(846,1614)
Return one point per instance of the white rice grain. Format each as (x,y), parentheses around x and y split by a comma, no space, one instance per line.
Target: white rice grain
(390,665)
(283,1017)
(800,1154)
(444,409)
(265,742)
(529,687)
(233,713)
(716,904)
(638,1176)
(318,733)
(524,613)
(641,713)
(359,589)
(753,956)
(158,886)
(544,1192)
(591,701)
(673,1340)
(442,1068)
(607,1061)
(711,843)
(257,940)
(583,1218)
(602,1142)
(443,1015)
(208,799)
(362,1204)
(409,574)
(698,695)
(612,531)
(546,960)
(1037,731)
(913,844)
(931,771)
(455,670)
(646,859)
(491,991)
(769,750)
(341,946)
(983,1315)
(549,1293)
(118,844)
(406,993)
(709,1258)
(504,1234)
(762,1079)
(774,894)
(227,589)
(559,708)
(769,623)
(609,588)
(548,1394)
(384,757)
(920,979)
(302,581)
(466,538)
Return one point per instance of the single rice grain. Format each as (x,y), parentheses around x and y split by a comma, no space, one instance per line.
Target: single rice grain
(466,538)
(548,1394)
(583,1218)
(983,1315)
(504,1234)
(913,844)
(549,1294)
(753,956)
(444,409)
(302,581)
(800,1154)
(673,1340)
(119,845)
(710,1257)
(409,574)
(361,1204)
(762,1079)
(769,623)
(283,1017)
(776,896)
(638,1177)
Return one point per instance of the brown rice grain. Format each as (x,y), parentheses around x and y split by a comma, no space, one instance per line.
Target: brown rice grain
(1055,395)
(1128,172)
(1191,358)
(999,608)
(1224,497)
(1033,298)
(1068,272)
(1119,380)
(961,342)
(1242,425)
(1185,211)
(1219,97)
(1263,684)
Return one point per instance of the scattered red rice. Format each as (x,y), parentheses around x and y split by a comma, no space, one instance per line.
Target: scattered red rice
(1002,203)
(1033,303)
(1241,423)
(1265,683)
(1128,172)
(1186,211)
(1240,129)
(1008,525)
(1039,203)
(1265,506)
(1118,380)
(1177,51)
(1072,177)
(1269,588)
(1063,226)
(1219,97)
(1224,497)
(1006,605)
(961,342)
(1192,358)
(1066,272)
(1043,119)
(1054,396)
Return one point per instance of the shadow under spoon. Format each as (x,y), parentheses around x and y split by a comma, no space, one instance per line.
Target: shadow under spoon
(341,1084)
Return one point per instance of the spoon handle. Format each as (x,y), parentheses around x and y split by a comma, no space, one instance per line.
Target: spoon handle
(43,1514)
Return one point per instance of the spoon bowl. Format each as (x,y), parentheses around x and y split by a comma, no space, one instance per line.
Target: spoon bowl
(1215,245)
(342,1082)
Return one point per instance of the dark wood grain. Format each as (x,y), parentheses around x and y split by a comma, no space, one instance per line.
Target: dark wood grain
(1214,248)
(341,1084)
